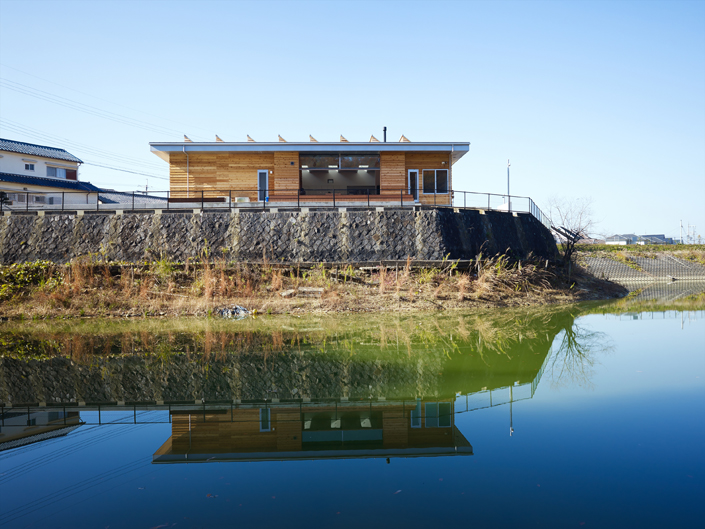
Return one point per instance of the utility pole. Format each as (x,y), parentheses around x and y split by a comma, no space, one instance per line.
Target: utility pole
(509,198)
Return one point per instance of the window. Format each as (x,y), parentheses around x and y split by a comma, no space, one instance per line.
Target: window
(416,415)
(369,162)
(264,420)
(435,181)
(29,167)
(56,172)
(438,415)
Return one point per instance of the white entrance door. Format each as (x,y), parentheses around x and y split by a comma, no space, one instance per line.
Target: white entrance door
(262,185)
(413,183)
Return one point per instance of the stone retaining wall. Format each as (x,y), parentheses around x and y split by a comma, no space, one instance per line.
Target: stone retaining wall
(288,236)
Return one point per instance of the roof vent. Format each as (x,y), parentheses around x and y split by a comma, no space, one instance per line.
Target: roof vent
(404,139)
(249,139)
(186,138)
(281,139)
(217,138)
(312,138)
(343,139)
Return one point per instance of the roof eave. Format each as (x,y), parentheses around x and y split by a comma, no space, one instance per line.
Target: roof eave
(162,149)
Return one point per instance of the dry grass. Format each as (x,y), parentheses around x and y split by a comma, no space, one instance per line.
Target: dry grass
(83,288)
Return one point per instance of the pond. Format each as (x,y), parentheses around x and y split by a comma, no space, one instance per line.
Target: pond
(580,416)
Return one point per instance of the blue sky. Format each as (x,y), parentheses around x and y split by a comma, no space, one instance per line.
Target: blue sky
(588,99)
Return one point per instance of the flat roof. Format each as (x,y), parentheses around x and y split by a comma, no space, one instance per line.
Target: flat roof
(456,149)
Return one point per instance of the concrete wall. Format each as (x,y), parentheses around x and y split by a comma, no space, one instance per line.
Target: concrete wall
(296,236)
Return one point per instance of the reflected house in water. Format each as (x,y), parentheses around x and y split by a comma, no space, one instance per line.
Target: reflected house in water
(324,430)
(20,427)
(385,392)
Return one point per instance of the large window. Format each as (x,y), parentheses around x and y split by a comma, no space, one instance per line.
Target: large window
(369,162)
(438,415)
(435,181)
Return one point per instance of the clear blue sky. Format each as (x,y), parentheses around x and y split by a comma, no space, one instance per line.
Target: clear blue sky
(601,99)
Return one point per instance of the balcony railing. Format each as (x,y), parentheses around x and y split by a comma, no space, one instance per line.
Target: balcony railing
(262,199)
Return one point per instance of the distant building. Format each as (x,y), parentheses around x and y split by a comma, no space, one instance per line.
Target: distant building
(37,175)
(630,238)
(621,240)
(655,239)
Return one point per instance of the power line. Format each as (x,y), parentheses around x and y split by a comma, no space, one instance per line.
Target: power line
(126,171)
(81,107)
(100,98)
(15,127)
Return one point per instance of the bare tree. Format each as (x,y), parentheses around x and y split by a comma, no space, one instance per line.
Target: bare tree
(574,357)
(572,220)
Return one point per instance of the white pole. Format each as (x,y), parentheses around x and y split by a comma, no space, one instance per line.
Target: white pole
(509,200)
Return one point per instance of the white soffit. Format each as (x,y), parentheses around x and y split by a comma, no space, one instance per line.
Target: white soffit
(164,149)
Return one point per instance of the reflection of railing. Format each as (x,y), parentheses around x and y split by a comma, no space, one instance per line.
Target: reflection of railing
(255,198)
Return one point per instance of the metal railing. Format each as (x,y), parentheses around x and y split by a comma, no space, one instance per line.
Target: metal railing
(359,196)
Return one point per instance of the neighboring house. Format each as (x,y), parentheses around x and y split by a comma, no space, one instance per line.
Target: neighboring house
(312,172)
(621,240)
(630,238)
(39,176)
(127,200)
(655,239)
(23,427)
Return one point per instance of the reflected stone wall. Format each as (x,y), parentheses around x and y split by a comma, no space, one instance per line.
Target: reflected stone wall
(246,377)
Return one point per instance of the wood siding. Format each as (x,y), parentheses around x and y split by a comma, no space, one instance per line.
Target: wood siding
(392,171)
(286,175)
(217,173)
(430,160)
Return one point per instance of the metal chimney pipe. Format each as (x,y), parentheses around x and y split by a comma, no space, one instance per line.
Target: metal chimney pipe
(385,134)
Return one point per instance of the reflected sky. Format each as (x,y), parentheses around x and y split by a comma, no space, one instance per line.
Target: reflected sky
(606,431)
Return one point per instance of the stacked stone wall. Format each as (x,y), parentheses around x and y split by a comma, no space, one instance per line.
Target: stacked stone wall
(280,236)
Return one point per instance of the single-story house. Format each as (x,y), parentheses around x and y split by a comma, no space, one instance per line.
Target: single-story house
(341,430)
(631,238)
(40,176)
(312,172)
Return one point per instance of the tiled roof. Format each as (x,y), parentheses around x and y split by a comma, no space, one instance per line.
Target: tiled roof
(117,197)
(69,185)
(37,150)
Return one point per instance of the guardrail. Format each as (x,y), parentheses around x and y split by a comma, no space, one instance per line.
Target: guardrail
(265,198)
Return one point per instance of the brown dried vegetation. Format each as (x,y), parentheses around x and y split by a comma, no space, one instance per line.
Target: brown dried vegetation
(85,288)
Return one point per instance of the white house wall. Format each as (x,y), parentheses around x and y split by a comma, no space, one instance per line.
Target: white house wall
(13,163)
(69,196)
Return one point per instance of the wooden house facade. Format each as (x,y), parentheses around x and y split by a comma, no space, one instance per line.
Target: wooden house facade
(312,172)
(316,431)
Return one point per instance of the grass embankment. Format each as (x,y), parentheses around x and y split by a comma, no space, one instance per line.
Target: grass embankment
(85,288)
(694,253)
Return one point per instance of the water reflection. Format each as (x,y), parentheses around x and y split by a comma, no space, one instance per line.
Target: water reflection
(285,389)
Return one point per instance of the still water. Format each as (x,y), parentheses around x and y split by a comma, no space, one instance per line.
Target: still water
(587,416)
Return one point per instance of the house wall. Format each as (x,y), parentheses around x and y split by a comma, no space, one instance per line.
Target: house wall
(217,173)
(58,194)
(430,160)
(12,162)
(392,173)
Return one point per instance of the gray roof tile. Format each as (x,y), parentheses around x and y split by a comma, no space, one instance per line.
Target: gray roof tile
(37,150)
(72,185)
